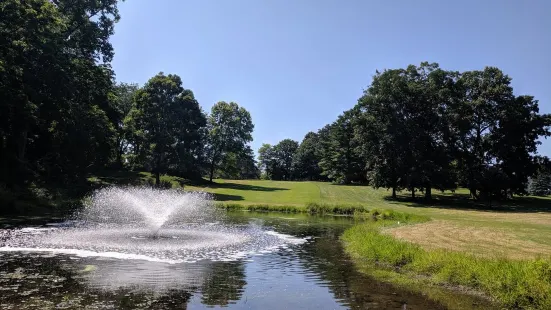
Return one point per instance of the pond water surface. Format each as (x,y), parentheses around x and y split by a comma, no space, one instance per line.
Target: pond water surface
(314,274)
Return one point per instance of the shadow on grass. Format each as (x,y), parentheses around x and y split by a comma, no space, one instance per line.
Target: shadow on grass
(238,186)
(354,184)
(464,202)
(225,197)
(117,178)
(123,177)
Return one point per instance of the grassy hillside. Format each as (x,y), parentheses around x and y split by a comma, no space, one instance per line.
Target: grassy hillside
(499,250)
(517,229)
(293,193)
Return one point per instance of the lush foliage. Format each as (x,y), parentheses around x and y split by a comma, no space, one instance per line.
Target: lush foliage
(540,183)
(277,160)
(170,122)
(229,128)
(423,128)
(56,118)
(62,116)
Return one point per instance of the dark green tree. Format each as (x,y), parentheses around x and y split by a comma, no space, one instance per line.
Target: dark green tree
(475,116)
(55,81)
(230,128)
(514,142)
(342,161)
(267,161)
(307,158)
(171,121)
(283,153)
(496,134)
(383,134)
(123,104)
(429,94)
(239,166)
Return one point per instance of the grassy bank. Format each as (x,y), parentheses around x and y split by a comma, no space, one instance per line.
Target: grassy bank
(522,284)
(334,209)
(494,249)
(517,229)
(311,208)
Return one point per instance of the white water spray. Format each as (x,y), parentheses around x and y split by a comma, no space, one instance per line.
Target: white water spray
(149,224)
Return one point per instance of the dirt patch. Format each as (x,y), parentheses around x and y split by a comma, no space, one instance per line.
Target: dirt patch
(483,241)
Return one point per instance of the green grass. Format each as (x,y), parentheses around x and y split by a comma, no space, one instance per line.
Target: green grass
(501,250)
(505,253)
(317,208)
(526,221)
(519,229)
(513,283)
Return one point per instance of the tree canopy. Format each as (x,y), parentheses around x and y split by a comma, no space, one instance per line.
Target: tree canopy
(422,128)
(56,121)
(230,128)
(171,121)
(419,128)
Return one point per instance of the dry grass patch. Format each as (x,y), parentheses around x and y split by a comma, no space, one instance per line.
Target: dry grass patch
(482,241)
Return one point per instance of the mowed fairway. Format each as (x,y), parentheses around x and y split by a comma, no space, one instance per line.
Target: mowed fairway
(291,193)
(524,232)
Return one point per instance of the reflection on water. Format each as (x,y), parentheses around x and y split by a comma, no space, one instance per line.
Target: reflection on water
(312,275)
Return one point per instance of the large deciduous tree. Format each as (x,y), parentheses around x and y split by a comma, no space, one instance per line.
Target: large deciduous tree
(384,135)
(55,80)
(266,160)
(123,104)
(238,166)
(170,119)
(429,93)
(277,161)
(284,152)
(307,158)
(496,134)
(230,128)
(341,160)
(423,128)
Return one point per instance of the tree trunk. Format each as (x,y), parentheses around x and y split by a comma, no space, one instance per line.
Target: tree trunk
(15,158)
(119,158)
(158,172)
(394,192)
(211,170)
(22,145)
(473,193)
(428,193)
(413,193)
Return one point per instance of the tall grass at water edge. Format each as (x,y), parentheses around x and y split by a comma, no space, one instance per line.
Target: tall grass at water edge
(322,208)
(513,284)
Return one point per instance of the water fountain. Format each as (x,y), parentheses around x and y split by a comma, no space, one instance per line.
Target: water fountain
(143,248)
(157,225)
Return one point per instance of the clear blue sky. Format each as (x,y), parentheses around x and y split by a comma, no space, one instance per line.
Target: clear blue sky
(297,64)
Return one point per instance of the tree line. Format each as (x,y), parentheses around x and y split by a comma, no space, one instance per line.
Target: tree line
(63,116)
(162,128)
(422,128)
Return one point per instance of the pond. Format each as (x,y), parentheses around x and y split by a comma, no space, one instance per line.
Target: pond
(314,273)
